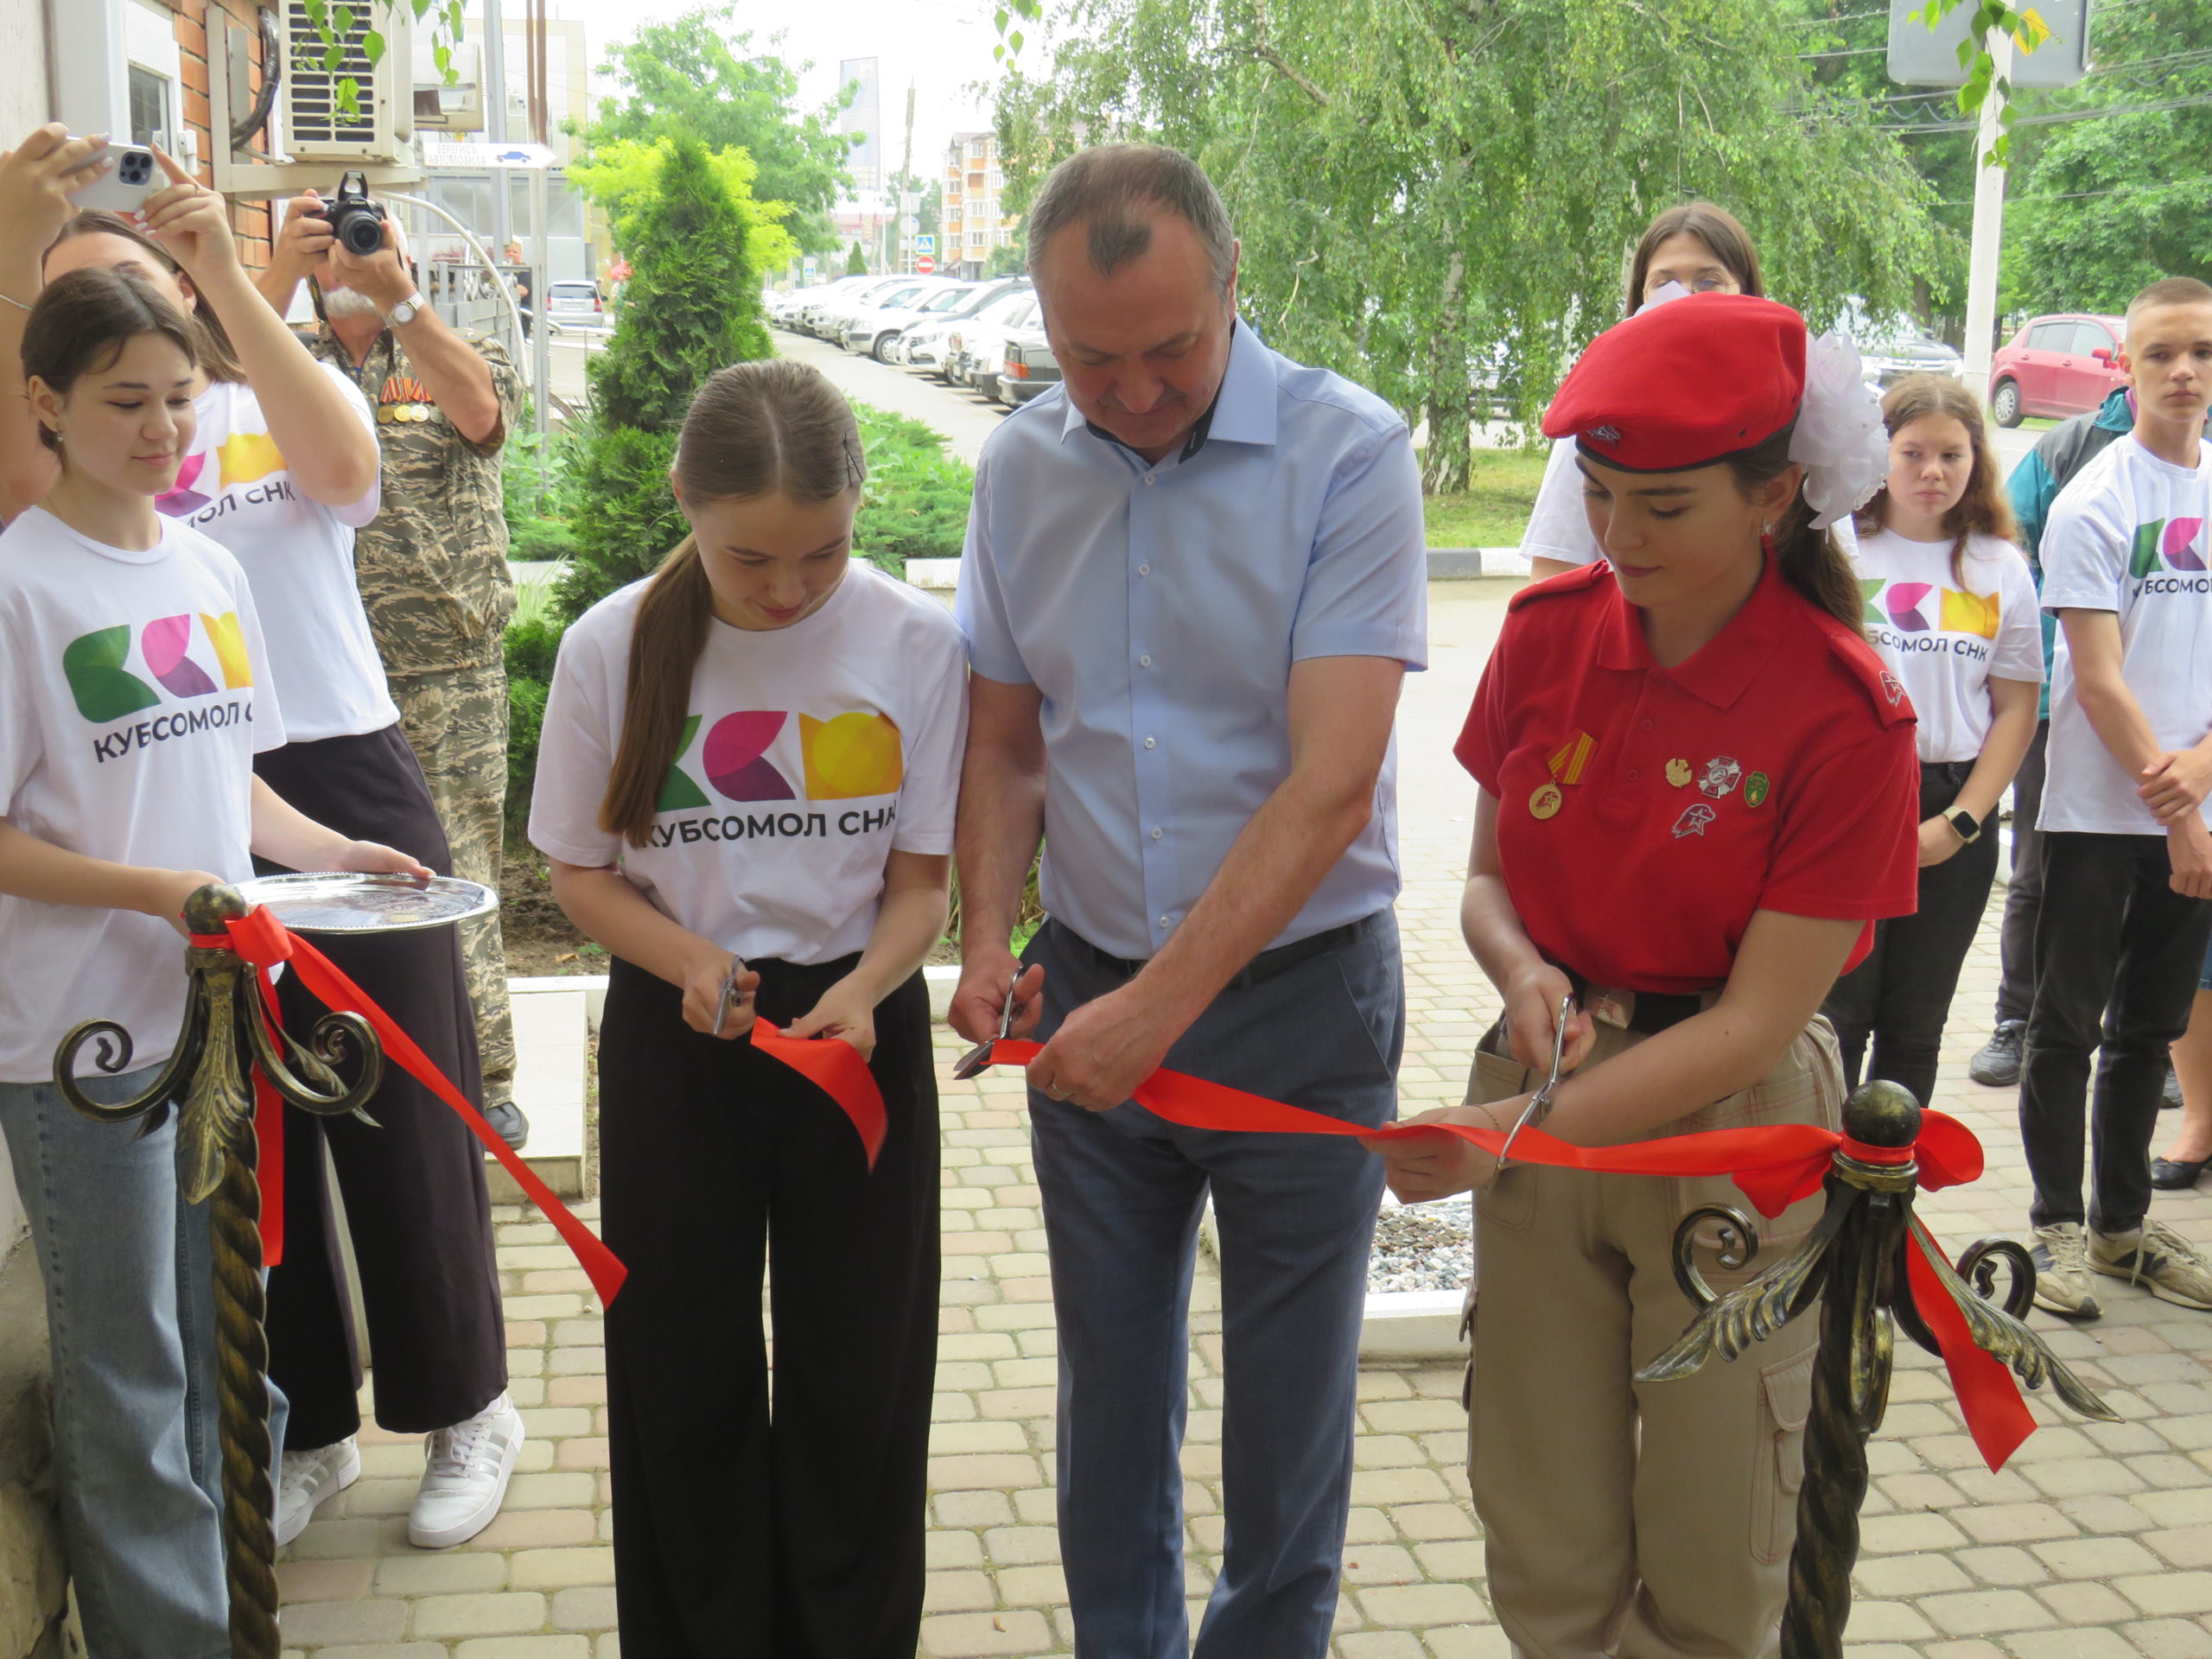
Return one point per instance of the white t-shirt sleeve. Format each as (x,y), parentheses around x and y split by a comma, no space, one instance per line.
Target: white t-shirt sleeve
(355,514)
(2018,655)
(575,754)
(1558,527)
(2086,541)
(20,744)
(930,796)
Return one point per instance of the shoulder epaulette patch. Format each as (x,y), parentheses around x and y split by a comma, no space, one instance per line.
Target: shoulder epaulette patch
(1567,581)
(1883,689)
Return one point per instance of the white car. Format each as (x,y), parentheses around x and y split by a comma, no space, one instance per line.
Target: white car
(925,346)
(979,345)
(807,317)
(830,321)
(876,329)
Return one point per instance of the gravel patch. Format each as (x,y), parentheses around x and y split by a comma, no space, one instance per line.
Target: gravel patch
(1423,1246)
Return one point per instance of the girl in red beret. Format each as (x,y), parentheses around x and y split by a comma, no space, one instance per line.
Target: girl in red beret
(1698,792)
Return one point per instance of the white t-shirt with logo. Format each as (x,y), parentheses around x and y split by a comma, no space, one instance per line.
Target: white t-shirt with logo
(2128,536)
(1559,528)
(1945,638)
(236,487)
(132,702)
(810,754)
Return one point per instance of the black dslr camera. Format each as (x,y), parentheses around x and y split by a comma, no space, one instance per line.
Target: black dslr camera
(355,221)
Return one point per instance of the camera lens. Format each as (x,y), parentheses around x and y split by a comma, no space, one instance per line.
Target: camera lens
(361,233)
(136,169)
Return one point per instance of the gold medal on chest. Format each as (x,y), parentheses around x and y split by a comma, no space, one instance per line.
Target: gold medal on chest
(1678,773)
(1547,801)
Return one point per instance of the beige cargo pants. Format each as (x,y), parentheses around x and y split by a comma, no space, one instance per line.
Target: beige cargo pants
(1624,1519)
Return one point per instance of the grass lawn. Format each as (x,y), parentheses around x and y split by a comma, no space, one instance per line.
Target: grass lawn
(1494,510)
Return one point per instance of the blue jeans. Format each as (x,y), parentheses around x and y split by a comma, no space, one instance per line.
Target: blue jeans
(1123,1191)
(129,1307)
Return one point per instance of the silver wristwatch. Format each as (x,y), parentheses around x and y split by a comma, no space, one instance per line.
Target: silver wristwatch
(405,312)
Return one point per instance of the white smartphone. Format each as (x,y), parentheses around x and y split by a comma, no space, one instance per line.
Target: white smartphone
(133,176)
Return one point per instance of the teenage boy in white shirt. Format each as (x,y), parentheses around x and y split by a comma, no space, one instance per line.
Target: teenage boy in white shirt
(2127,892)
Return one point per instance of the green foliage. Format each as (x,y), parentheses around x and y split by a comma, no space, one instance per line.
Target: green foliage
(699,77)
(1008,259)
(628,521)
(915,503)
(1493,510)
(1425,186)
(525,720)
(692,304)
(856,261)
(623,176)
(536,496)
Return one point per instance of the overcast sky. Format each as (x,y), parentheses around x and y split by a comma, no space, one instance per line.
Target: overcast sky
(941,45)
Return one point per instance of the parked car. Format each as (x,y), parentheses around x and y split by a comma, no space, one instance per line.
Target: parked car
(829,322)
(979,347)
(926,346)
(1883,362)
(820,299)
(576,301)
(2056,366)
(874,326)
(782,305)
(1026,367)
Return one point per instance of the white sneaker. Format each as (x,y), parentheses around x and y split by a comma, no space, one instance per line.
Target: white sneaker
(2061,1272)
(470,1466)
(308,1479)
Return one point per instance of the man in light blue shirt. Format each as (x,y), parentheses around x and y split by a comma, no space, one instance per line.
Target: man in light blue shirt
(1193,581)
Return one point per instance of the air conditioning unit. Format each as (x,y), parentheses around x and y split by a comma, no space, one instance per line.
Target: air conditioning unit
(455,108)
(317,127)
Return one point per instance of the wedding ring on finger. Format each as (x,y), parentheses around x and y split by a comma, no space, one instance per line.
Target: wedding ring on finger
(1058,1093)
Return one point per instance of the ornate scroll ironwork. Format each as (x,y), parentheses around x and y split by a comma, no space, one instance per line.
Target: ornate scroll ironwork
(209,1079)
(1854,1264)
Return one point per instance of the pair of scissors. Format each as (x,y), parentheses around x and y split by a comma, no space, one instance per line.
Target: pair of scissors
(1540,1103)
(978,1058)
(728,994)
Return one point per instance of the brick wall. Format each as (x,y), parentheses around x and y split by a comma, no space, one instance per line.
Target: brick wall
(249,218)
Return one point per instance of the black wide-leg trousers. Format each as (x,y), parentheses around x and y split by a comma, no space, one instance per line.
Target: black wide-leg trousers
(416,1202)
(754,1522)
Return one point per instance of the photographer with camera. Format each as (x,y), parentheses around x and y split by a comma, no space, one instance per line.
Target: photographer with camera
(433,568)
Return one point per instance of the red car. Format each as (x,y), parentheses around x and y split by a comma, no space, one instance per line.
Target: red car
(2058,367)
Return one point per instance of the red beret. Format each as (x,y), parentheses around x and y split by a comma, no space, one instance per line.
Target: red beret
(1683,384)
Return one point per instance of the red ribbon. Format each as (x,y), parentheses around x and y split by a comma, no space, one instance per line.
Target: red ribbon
(836,1069)
(263,941)
(1775,1166)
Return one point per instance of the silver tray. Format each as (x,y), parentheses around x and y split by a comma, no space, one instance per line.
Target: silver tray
(341,902)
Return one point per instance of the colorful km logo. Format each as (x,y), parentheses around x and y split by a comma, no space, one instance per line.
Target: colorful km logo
(2169,539)
(1922,607)
(852,757)
(106,690)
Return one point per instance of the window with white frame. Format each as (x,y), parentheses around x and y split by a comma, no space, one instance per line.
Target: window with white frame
(153,69)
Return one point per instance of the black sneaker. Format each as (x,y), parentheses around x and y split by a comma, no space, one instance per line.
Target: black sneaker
(506,1119)
(1997,1066)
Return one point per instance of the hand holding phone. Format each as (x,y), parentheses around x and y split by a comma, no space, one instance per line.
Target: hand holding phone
(118,177)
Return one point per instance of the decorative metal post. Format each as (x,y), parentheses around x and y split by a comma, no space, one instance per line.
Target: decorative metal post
(209,1076)
(1855,1264)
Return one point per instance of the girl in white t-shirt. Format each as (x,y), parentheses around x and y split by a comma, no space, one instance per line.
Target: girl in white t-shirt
(282,468)
(134,697)
(746,785)
(1951,606)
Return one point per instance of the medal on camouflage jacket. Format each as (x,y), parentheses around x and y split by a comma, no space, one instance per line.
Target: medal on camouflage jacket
(403,399)
(1566,765)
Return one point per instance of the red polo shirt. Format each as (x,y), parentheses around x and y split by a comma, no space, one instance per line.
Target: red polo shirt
(1645,812)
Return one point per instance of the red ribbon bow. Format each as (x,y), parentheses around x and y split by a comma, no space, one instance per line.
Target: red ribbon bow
(1775,1166)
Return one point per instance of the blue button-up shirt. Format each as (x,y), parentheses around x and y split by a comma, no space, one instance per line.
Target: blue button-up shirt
(1158,609)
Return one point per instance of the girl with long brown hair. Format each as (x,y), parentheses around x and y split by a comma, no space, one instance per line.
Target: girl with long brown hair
(746,786)
(134,697)
(1695,796)
(283,467)
(1951,606)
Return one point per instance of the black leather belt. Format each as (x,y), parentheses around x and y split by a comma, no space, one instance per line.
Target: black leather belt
(1264,967)
(1649,1012)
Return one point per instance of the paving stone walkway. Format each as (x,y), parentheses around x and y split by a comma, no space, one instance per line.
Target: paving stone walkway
(2096,1543)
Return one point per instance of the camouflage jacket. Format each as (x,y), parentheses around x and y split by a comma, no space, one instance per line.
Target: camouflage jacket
(432,568)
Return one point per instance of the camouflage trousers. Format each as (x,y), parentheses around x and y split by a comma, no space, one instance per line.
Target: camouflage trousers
(456,722)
